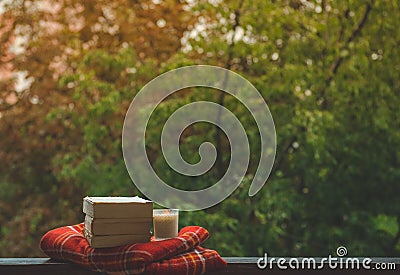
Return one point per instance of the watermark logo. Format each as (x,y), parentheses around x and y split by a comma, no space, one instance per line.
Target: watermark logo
(153,93)
(330,262)
(341,251)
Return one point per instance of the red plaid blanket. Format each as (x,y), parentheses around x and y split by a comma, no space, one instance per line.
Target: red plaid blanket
(180,255)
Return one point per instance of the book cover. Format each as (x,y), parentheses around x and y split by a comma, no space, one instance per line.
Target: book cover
(131,226)
(96,241)
(117,207)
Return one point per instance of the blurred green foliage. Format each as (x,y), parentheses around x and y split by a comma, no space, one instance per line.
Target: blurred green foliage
(329,71)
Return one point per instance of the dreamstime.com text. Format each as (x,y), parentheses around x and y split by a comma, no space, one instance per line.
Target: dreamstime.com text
(330,262)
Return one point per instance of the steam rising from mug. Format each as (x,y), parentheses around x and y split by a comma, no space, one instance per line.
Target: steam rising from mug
(146,101)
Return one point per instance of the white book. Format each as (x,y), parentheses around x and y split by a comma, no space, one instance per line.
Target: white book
(117,207)
(114,240)
(140,226)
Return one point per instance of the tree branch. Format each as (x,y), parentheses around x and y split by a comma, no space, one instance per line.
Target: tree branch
(228,65)
(356,32)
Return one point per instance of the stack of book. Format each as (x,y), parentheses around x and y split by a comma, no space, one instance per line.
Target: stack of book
(115,221)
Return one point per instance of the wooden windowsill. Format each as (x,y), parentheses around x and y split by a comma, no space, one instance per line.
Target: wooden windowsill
(236,265)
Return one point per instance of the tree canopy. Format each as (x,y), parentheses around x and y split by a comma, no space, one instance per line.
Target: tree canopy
(327,69)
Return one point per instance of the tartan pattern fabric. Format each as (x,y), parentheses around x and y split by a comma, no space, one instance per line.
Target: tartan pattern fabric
(180,255)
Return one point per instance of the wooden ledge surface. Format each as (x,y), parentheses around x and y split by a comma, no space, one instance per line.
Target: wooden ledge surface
(236,265)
